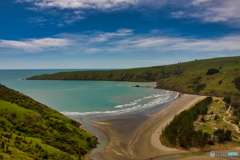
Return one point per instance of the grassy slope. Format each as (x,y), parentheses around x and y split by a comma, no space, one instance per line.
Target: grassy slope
(219,84)
(29,129)
(174,77)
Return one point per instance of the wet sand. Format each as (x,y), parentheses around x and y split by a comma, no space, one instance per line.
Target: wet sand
(137,138)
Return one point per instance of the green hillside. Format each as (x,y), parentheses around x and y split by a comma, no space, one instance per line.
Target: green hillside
(220,84)
(144,74)
(31,130)
(188,77)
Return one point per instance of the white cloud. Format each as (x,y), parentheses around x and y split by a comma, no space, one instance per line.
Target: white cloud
(86,4)
(210,11)
(229,43)
(198,2)
(103,37)
(36,45)
(125,41)
(103,5)
(227,10)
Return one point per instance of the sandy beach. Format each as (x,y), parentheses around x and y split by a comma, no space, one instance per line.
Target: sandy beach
(136,138)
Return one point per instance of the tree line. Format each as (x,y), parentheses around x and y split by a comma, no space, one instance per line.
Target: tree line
(181,129)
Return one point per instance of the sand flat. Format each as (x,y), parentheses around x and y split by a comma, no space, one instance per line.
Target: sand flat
(143,142)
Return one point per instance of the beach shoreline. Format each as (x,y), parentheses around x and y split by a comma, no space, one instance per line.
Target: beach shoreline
(138,137)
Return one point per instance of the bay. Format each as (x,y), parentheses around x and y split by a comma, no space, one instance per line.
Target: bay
(76,99)
(89,100)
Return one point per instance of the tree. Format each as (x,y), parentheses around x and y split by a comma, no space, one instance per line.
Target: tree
(205,138)
(228,135)
(227,100)
(220,134)
(203,119)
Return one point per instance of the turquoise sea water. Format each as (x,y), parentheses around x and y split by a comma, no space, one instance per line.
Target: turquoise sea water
(89,100)
(77,99)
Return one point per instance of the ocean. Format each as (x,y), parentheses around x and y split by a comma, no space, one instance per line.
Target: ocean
(89,100)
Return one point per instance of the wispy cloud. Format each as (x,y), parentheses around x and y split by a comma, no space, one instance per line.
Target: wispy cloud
(37,20)
(210,11)
(77,9)
(178,14)
(32,8)
(198,2)
(103,37)
(84,4)
(36,45)
(125,41)
(70,18)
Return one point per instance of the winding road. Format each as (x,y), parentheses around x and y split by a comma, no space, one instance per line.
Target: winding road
(237,129)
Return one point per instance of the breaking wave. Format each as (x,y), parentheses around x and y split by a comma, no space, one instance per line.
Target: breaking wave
(132,106)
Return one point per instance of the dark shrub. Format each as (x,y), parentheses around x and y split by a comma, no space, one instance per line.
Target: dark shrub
(13,115)
(212,71)
(216,117)
(220,82)
(88,139)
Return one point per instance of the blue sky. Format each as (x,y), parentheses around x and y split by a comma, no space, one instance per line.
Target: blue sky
(79,34)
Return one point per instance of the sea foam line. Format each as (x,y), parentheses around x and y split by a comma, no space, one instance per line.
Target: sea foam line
(122,111)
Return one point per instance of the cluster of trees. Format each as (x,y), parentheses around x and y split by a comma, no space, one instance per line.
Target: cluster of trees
(181,129)
(46,124)
(227,100)
(222,135)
